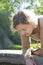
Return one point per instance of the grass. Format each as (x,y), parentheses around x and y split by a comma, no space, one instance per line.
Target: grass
(35,45)
(15,47)
(19,47)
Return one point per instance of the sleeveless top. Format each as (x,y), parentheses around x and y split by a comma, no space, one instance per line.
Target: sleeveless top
(36,32)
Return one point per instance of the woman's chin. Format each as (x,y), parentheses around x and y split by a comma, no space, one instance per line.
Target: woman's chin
(27,35)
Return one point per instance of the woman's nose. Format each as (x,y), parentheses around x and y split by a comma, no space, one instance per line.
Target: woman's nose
(23,32)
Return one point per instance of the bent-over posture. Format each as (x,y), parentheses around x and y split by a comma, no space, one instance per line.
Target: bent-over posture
(28,26)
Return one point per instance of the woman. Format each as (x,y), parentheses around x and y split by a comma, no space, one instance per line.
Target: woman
(27,24)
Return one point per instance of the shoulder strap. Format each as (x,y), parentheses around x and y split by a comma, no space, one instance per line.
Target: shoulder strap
(39,26)
(40,22)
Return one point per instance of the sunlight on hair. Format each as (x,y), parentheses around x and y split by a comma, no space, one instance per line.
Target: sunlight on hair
(31,16)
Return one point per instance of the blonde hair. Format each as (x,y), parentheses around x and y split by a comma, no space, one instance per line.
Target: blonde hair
(31,16)
(25,16)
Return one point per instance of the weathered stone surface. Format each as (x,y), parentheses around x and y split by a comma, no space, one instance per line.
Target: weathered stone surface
(38,59)
(12,56)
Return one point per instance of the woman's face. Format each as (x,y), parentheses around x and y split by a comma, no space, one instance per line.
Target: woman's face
(25,29)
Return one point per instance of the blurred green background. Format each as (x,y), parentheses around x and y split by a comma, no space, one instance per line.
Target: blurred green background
(10,39)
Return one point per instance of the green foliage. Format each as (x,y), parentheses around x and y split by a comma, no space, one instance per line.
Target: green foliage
(15,47)
(6,5)
(39,10)
(16,38)
(7,37)
(35,45)
(5,21)
(41,2)
(18,1)
(14,5)
(5,30)
(19,47)
(29,7)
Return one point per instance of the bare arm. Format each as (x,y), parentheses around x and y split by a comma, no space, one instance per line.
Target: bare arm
(25,43)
